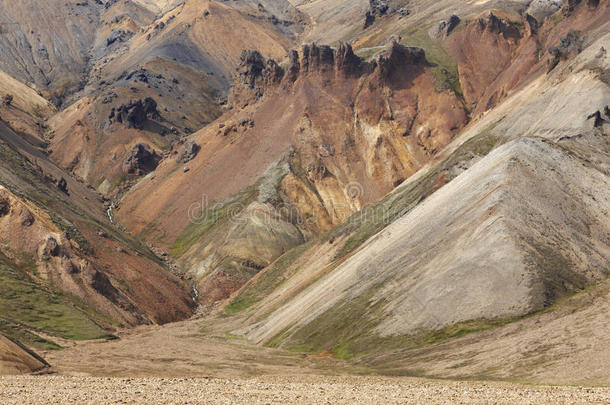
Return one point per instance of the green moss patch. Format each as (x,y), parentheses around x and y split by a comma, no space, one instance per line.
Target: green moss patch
(444,67)
(24,302)
(267,282)
(214,216)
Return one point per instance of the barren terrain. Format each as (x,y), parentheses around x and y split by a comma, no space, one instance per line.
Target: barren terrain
(283,390)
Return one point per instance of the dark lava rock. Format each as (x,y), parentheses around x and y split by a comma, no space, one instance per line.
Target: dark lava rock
(117,36)
(294,66)
(346,60)
(5,207)
(51,248)
(397,56)
(317,57)
(135,114)
(369,19)
(599,118)
(141,160)
(568,46)
(62,185)
(254,70)
(7,100)
(27,219)
(189,151)
(444,28)
(377,8)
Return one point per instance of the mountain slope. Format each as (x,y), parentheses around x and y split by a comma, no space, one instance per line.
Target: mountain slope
(67,271)
(15,359)
(541,198)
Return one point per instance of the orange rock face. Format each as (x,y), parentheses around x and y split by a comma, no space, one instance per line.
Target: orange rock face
(350,130)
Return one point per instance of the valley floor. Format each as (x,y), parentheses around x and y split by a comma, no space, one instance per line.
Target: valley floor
(285,389)
(196,362)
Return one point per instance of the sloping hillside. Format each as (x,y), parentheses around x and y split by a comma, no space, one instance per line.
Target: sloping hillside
(515,231)
(15,359)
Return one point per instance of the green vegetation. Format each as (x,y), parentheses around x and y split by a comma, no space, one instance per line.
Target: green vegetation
(337,328)
(335,331)
(73,234)
(24,302)
(444,67)
(347,330)
(210,218)
(26,337)
(267,282)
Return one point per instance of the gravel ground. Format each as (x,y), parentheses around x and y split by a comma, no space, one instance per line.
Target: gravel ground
(282,390)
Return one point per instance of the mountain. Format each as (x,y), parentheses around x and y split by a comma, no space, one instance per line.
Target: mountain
(376,180)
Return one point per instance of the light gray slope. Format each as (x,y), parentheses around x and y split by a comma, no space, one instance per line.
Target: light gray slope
(47,42)
(523,226)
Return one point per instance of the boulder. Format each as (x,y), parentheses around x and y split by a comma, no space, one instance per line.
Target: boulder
(7,100)
(189,151)
(142,159)
(540,9)
(5,207)
(62,185)
(51,248)
(118,36)
(135,114)
(568,46)
(443,28)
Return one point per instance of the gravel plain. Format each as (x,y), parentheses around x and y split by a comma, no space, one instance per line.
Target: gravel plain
(283,390)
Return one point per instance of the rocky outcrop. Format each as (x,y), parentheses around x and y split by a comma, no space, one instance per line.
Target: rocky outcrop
(531,25)
(492,23)
(399,56)
(118,36)
(135,114)
(317,57)
(254,75)
(7,100)
(443,28)
(142,159)
(188,152)
(380,8)
(568,47)
(62,185)
(257,75)
(51,248)
(540,9)
(347,61)
(570,5)
(484,49)
(5,207)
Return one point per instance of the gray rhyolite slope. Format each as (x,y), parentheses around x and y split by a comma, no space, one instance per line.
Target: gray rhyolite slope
(520,228)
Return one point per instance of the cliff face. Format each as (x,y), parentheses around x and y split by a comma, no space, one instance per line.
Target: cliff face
(324,136)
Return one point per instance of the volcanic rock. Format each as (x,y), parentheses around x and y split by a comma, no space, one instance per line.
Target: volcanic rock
(568,46)
(444,28)
(254,75)
(5,207)
(141,160)
(118,35)
(51,248)
(62,185)
(189,151)
(135,114)
(540,9)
